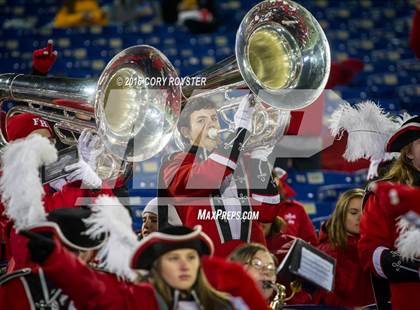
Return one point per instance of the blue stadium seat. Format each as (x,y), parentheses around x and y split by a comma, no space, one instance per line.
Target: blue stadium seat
(410,97)
(409,65)
(390,104)
(330,193)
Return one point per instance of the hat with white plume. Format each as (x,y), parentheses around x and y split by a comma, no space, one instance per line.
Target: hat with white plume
(20,184)
(69,226)
(407,133)
(369,128)
(110,217)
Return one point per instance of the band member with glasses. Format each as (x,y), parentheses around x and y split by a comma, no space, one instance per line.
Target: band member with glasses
(213,176)
(260,264)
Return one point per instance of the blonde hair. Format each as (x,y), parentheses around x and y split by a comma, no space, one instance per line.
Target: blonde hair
(402,171)
(337,233)
(208,296)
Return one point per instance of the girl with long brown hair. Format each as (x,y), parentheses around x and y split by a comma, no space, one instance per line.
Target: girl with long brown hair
(338,238)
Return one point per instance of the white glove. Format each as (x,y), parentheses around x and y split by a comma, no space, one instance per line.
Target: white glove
(243,116)
(87,147)
(262,152)
(373,169)
(82,171)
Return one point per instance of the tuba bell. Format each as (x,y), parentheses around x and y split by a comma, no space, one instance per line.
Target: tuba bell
(282,56)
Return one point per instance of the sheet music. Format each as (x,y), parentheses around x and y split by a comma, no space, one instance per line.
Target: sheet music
(316,269)
(285,259)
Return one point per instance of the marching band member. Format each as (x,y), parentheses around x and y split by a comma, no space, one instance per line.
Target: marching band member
(378,228)
(81,181)
(217,270)
(150,218)
(260,264)
(29,288)
(338,238)
(298,223)
(211,177)
(173,259)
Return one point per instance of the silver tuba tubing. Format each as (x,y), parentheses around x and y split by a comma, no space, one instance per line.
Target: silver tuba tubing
(32,93)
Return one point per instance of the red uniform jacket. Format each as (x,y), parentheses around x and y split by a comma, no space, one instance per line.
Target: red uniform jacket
(298,222)
(352,286)
(93,289)
(66,198)
(193,183)
(219,273)
(378,229)
(28,289)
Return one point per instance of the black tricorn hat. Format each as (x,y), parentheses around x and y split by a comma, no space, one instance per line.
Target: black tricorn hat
(169,239)
(69,225)
(409,132)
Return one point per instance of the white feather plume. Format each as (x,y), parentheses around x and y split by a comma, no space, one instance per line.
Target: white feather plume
(368,127)
(20,185)
(402,118)
(111,218)
(336,122)
(408,242)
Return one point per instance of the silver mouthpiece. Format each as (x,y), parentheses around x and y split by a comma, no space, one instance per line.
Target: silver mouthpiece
(213,133)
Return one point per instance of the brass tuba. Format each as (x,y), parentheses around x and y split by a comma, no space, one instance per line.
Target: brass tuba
(281,55)
(134,123)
